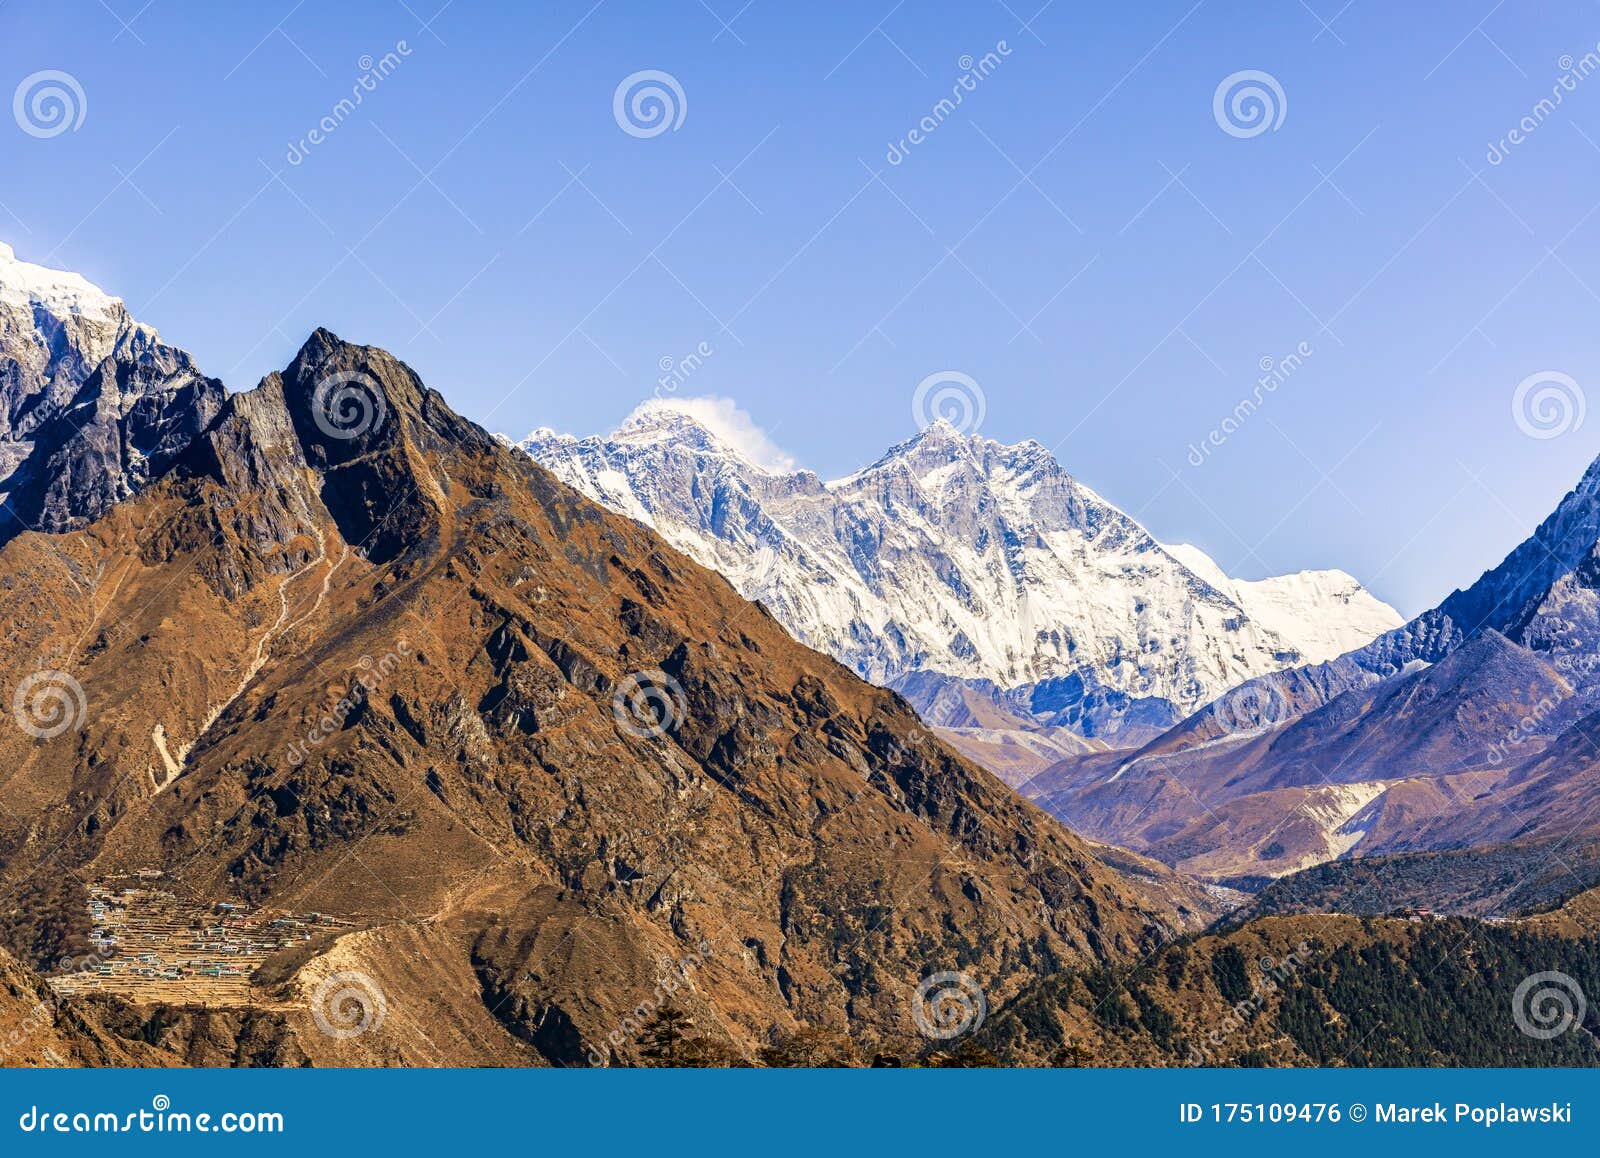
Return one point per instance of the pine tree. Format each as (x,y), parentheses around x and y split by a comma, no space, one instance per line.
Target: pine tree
(1071,1055)
(664,1040)
(668,1039)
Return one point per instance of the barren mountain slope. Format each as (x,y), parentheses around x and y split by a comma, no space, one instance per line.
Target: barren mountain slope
(354,656)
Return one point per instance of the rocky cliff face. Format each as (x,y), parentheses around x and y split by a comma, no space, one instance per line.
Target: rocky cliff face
(955,559)
(350,654)
(1470,726)
(92,404)
(1546,579)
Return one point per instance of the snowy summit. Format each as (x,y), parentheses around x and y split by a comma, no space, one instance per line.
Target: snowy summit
(959,558)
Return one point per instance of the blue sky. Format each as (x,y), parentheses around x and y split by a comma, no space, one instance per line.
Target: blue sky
(1080,236)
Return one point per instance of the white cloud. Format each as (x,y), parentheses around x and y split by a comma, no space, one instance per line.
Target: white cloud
(723,418)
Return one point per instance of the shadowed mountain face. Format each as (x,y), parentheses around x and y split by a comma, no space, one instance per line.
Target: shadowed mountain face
(92,404)
(1469,727)
(348,654)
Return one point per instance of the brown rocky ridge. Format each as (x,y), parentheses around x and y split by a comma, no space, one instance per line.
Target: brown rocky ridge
(347,655)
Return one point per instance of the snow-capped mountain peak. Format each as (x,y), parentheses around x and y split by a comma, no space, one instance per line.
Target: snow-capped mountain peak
(714,425)
(936,444)
(61,296)
(91,401)
(957,555)
(1323,614)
